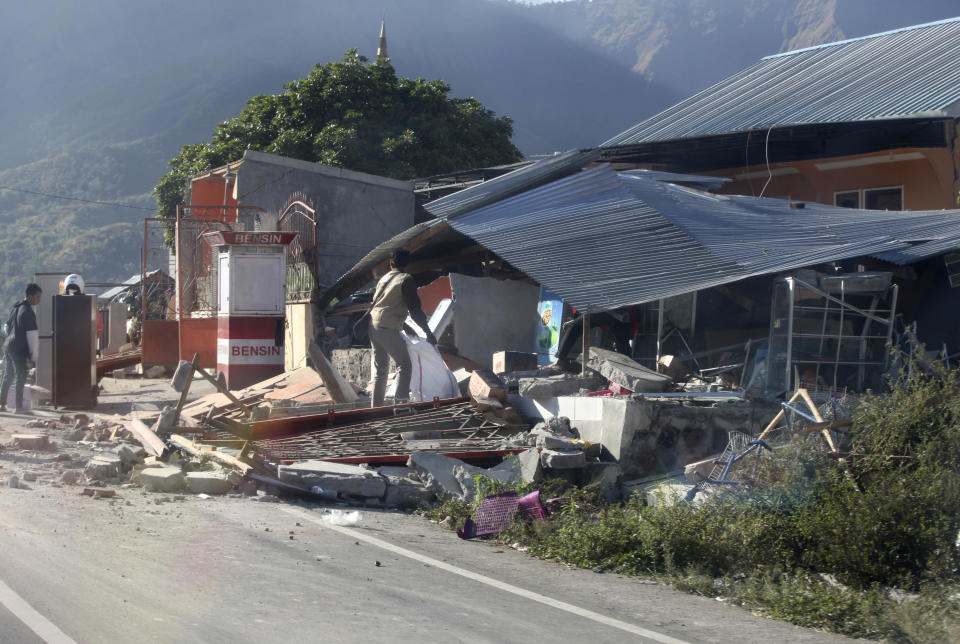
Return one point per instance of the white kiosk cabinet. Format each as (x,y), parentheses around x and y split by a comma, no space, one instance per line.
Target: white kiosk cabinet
(251,301)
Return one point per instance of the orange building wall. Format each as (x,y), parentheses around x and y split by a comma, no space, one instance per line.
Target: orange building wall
(928,182)
(208,191)
(199,335)
(161,343)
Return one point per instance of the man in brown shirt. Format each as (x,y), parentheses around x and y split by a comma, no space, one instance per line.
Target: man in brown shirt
(394,298)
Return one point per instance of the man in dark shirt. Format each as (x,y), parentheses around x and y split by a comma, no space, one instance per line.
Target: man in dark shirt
(21,343)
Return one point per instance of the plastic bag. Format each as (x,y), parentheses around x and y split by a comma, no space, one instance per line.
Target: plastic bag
(429,376)
(342,517)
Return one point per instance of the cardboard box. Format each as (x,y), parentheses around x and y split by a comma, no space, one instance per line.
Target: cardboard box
(509,361)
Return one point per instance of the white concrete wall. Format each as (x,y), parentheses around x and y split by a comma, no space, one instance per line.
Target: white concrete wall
(297,337)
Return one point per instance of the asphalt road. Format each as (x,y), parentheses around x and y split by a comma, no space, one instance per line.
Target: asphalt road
(147,567)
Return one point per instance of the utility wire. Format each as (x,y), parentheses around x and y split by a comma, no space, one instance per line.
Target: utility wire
(101,203)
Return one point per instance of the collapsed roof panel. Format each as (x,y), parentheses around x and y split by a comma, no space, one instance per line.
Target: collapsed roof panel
(602,239)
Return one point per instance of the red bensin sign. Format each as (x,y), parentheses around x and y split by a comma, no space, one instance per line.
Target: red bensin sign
(248,351)
(249,239)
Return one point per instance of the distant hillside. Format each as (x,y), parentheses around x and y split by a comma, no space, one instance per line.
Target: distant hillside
(100,95)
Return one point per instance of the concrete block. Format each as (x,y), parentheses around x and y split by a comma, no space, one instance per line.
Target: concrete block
(71,477)
(626,372)
(77,434)
(486,384)
(562,385)
(530,469)
(508,361)
(548,440)
(208,483)
(103,466)
(437,471)
(130,456)
(31,441)
(562,460)
(604,474)
(346,479)
(160,479)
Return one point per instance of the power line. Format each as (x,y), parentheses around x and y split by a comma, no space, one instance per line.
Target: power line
(65,198)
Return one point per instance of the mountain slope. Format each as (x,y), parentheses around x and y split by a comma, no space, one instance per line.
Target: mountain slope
(101,95)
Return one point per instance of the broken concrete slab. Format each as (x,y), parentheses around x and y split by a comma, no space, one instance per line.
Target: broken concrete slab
(454,477)
(160,479)
(351,480)
(208,483)
(561,385)
(408,494)
(562,459)
(436,471)
(76,435)
(531,471)
(103,466)
(35,442)
(627,373)
(669,493)
(130,456)
(605,475)
(699,470)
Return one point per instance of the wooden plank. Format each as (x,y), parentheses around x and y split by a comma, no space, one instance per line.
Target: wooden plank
(816,414)
(150,441)
(337,386)
(776,419)
(224,391)
(200,450)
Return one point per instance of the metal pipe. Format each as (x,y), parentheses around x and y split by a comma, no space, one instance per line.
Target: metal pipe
(790,296)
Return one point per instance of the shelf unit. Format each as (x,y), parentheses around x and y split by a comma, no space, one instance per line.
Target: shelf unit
(831,331)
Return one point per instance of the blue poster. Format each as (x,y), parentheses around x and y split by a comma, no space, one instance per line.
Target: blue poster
(550,313)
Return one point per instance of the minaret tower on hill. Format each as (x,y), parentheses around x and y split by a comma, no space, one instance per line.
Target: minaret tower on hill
(382,49)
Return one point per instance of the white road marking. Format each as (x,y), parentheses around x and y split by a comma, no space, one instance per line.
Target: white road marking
(43,627)
(489,581)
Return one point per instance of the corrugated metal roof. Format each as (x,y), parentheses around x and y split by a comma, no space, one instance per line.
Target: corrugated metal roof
(907,73)
(511,183)
(127,283)
(603,239)
(361,272)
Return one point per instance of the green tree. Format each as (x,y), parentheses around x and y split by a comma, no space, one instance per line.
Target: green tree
(356,115)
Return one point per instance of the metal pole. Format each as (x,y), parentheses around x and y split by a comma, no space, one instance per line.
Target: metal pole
(143,284)
(656,364)
(179,246)
(893,313)
(788,369)
(585,355)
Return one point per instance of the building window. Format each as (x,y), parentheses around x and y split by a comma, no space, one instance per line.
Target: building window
(883,199)
(890,198)
(847,199)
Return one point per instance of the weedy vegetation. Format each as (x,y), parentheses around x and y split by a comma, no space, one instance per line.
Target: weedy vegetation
(865,545)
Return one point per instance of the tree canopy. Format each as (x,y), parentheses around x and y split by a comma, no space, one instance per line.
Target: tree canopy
(356,115)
